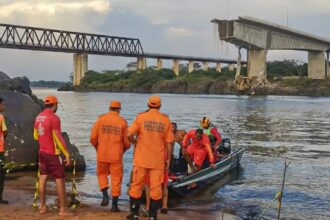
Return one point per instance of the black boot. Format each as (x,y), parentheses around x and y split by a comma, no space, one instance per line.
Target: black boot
(134,209)
(114,207)
(154,206)
(105,200)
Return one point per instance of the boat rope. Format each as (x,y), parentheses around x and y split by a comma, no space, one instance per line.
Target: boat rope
(278,196)
(269,204)
(74,192)
(10,166)
(36,192)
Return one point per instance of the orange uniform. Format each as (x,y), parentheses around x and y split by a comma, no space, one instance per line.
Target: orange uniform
(198,149)
(109,137)
(153,131)
(3,129)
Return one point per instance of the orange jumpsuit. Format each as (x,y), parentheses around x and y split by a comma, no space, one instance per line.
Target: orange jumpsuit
(109,137)
(153,131)
(198,149)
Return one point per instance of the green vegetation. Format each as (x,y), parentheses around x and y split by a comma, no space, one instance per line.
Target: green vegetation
(286,77)
(147,78)
(276,69)
(47,84)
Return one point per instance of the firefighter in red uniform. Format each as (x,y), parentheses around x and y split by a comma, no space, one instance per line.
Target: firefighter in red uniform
(3,134)
(47,131)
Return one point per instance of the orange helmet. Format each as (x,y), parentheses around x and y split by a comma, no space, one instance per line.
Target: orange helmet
(205,122)
(115,104)
(154,101)
(50,100)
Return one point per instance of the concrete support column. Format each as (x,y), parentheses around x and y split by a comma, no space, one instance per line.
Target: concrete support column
(205,66)
(257,64)
(316,65)
(142,63)
(80,67)
(159,64)
(218,67)
(176,68)
(231,67)
(190,66)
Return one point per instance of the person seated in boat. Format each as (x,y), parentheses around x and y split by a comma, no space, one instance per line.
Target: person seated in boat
(178,134)
(214,135)
(178,163)
(197,150)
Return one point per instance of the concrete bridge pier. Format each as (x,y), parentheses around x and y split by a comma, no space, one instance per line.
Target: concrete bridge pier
(190,66)
(159,64)
(218,67)
(205,66)
(176,65)
(257,64)
(231,67)
(80,67)
(316,65)
(142,63)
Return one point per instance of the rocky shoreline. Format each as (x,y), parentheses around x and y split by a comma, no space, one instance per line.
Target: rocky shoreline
(221,87)
(21,109)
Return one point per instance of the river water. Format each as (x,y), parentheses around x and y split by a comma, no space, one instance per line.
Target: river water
(272,128)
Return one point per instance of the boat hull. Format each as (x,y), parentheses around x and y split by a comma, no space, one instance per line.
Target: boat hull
(206,176)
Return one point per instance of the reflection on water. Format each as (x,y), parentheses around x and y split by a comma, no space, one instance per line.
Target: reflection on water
(270,127)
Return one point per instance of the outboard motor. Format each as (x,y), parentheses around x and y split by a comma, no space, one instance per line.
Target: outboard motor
(225,146)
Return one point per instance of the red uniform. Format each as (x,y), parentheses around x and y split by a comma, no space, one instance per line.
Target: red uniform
(3,128)
(47,131)
(198,149)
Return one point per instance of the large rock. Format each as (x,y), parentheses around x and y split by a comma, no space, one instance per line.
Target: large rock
(22,107)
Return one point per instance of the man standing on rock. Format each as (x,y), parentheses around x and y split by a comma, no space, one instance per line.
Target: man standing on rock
(109,137)
(47,131)
(154,139)
(3,134)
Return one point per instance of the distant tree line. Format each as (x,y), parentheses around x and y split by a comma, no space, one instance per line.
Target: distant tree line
(47,84)
(286,68)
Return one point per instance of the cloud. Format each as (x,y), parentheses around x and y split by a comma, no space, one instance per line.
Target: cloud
(52,8)
(175,32)
(171,26)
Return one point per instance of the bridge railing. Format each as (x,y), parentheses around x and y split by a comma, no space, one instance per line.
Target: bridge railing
(23,37)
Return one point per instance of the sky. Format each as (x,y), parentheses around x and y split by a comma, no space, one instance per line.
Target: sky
(179,27)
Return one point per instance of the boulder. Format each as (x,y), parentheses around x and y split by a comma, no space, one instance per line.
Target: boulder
(4,75)
(22,107)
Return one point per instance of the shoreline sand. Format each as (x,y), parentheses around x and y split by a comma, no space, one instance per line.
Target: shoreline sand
(19,191)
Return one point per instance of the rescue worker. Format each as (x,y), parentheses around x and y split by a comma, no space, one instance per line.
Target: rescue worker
(154,138)
(47,131)
(164,209)
(109,138)
(212,132)
(198,148)
(3,135)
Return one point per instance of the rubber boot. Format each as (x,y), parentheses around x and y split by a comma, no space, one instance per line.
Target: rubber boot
(114,207)
(134,209)
(105,199)
(2,179)
(154,206)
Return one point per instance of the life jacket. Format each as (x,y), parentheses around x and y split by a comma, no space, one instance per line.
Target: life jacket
(208,132)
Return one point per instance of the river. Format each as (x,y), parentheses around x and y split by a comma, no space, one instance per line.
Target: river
(270,127)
